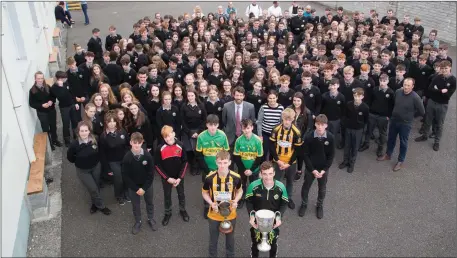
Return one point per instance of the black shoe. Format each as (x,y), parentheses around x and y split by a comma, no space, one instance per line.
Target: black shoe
(432,135)
(436,146)
(53,148)
(166,219)
(93,209)
(136,228)
(184,216)
(127,199)
(422,131)
(152,224)
(421,138)
(297,176)
(205,213)
(106,211)
(240,204)
(291,204)
(57,143)
(343,165)
(364,147)
(379,151)
(350,169)
(49,180)
(319,212)
(67,143)
(340,146)
(302,210)
(121,201)
(372,137)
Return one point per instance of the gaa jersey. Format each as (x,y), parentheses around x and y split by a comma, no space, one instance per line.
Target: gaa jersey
(221,189)
(258,197)
(209,145)
(248,150)
(285,141)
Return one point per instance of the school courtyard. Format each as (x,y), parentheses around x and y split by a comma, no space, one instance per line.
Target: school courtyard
(371,212)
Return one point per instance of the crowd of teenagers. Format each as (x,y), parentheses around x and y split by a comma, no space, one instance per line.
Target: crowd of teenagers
(244,102)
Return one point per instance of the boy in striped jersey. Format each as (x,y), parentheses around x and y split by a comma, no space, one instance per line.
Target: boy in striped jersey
(285,138)
(222,185)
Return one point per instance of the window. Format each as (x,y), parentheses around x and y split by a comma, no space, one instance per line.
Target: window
(15,28)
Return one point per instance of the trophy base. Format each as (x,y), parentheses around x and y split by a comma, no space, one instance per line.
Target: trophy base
(264,247)
(226,230)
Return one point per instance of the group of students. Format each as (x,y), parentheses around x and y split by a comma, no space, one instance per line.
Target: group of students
(266,96)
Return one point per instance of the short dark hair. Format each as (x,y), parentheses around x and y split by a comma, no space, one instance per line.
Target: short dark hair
(212,119)
(61,75)
(322,119)
(247,122)
(265,166)
(95,30)
(239,89)
(136,137)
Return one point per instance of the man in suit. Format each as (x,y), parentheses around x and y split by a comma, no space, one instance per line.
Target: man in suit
(234,112)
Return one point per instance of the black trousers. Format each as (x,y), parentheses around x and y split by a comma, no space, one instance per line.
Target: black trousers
(244,181)
(167,188)
(321,184)
(136,204)
(353,137)
(49,124)
(70,116)
(380,122)
(256,238)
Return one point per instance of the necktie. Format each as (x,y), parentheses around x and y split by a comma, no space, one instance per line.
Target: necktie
(238,121)
(137,157)
(112,134)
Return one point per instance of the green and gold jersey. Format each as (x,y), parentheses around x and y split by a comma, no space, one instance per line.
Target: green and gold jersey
(209,145)
(248,150)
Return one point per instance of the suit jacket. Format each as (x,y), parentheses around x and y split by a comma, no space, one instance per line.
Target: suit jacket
(228,118)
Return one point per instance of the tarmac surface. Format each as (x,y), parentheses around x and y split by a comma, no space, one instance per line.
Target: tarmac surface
(371,212)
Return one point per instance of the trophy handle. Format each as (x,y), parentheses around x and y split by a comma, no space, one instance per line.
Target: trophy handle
(278,214)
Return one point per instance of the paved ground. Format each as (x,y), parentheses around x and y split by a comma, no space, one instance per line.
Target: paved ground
(372,212)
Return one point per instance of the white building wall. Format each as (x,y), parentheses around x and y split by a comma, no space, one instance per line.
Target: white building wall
(27,30)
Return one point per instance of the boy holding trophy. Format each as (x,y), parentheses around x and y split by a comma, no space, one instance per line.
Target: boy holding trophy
(266,202)
(222,190)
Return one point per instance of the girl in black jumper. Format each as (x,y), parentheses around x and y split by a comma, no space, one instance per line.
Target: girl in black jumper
(142,125)
(109,99)
(214,105)
(152,105)
(90,117)
(41,99)
(193,116)
(304,122)
(84,153)
(168,114)
(100,110)
(114,143)
(178,95)
(227,94)
(97,77)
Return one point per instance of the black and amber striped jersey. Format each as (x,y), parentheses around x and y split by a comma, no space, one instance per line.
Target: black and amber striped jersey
(222,189)
(284,143)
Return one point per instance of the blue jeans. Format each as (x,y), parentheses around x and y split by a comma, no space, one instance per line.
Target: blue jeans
(402,130)
(86,17)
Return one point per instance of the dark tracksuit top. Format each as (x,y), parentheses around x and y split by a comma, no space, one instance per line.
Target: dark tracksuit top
(438,83)
(138,173)
(215,109)
(129,77)
(286,98)
(113,147)
(63,94)
(171,161)
(382,102)
(111,40)
(84,155)
(318,152)
(95,45)
(170,117)
(114,73)
(312,98)
(38,97)
(142,93)
(256,100)
(333,108)
(258,197)
(355,117)
(348,90)
(76,82)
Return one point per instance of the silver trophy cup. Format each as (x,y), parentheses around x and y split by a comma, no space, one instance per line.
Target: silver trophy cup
(265,222)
